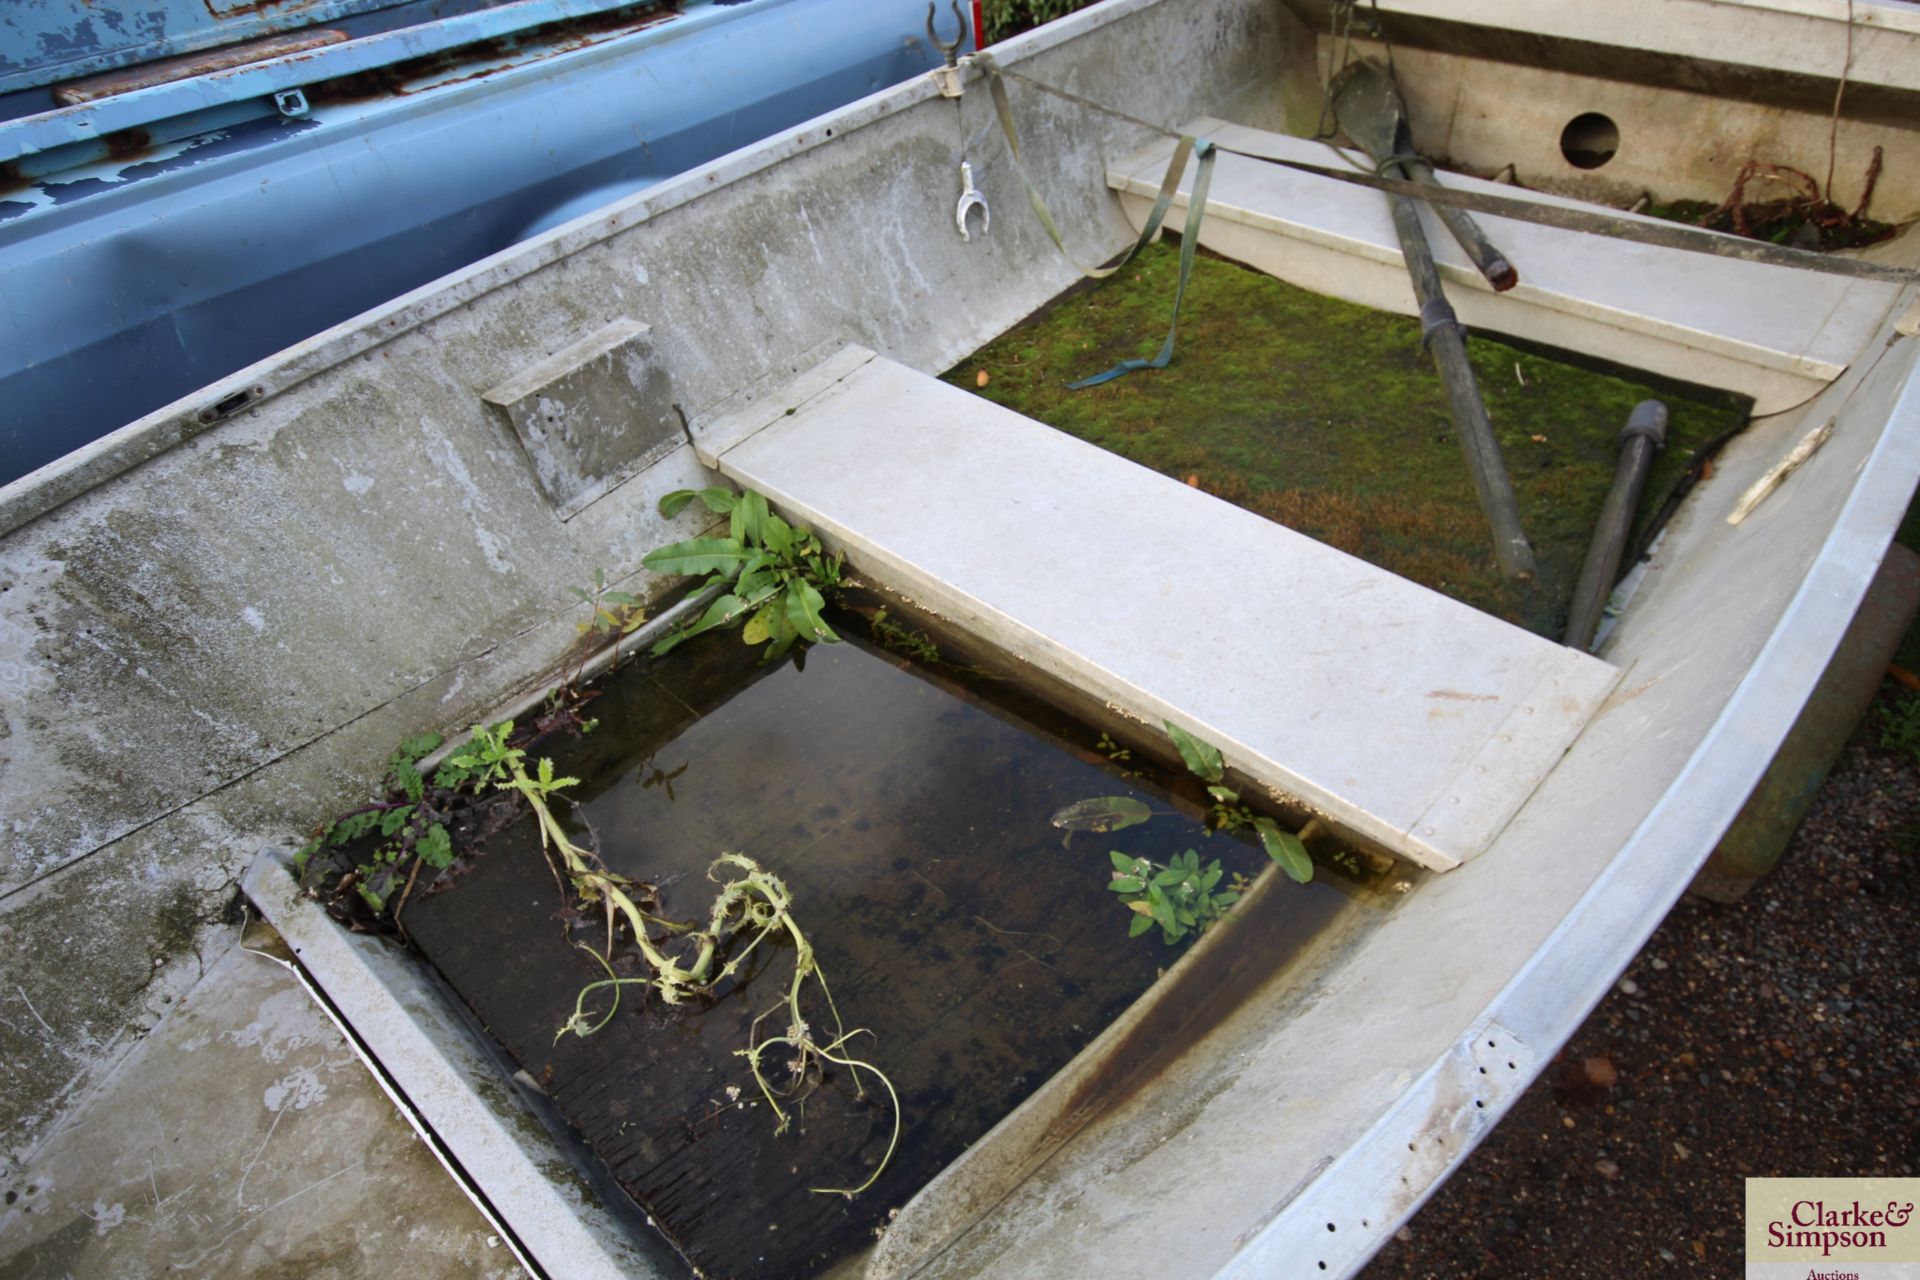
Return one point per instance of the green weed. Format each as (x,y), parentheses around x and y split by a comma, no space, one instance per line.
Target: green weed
(1180,895)
(775,572)
(889,634)
(410,819)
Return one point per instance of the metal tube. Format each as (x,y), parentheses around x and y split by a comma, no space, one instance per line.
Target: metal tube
(1368,105)
(1369,109)
(1441,332)
(1644,434)
(1493,264)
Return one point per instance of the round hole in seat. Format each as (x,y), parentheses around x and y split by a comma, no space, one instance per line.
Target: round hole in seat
(1589,140)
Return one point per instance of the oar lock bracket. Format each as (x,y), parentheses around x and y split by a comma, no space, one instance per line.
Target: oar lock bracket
(948,76)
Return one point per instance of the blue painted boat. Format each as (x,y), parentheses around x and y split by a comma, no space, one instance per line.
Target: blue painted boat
(188,187)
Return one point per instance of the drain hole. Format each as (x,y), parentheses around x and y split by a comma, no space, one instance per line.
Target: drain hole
(1589,140)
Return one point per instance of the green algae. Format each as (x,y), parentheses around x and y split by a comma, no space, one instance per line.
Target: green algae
(1329,418)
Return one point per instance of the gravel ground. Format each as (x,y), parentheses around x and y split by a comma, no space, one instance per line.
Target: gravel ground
(1778,1036)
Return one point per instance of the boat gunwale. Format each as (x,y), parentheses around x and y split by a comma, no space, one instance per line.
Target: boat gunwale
(1565,978)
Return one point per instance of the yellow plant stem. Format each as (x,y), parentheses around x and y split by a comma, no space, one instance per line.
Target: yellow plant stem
(762,903)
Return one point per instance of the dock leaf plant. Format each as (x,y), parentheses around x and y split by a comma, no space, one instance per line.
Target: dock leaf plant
(775,576)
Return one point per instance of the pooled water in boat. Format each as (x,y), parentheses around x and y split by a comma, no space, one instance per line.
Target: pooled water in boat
(975,944)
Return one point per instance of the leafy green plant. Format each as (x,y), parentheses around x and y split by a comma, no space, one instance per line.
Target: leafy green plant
(1180,895)
(410,819)
(775,573)
(1003,18)
(1204,761)
(413,816)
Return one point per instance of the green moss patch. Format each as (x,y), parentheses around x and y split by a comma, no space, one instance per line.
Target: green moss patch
(1329,418)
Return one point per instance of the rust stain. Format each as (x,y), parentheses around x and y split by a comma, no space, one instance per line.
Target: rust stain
(128,144)
(1624,696)
(402,79)
(187,66)
(1455,695)
(238,10)
(1186,1005)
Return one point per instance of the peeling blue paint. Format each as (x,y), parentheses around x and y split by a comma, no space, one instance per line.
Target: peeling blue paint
(78,189)
(253,134)
(45,41)
(69,43)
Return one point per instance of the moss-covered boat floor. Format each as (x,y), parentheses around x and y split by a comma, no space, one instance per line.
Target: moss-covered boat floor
(1329,418)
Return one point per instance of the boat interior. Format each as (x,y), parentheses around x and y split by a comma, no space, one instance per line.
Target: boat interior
(216,622)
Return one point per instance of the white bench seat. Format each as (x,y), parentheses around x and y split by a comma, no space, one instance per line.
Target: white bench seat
(1774,333)
(1405,716)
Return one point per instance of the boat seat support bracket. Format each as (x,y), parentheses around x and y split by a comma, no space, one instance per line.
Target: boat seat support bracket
(592,414)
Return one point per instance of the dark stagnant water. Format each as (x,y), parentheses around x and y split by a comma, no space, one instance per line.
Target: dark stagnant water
(909,814)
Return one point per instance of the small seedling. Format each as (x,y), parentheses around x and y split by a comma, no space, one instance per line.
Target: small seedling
(411,820)
(775,573)
(611,615)
(889,634)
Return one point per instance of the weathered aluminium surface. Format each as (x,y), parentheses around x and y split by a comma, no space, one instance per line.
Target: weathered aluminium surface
(210,636)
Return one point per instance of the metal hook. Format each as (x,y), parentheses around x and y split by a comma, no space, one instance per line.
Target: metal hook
(950,51)
(971,199)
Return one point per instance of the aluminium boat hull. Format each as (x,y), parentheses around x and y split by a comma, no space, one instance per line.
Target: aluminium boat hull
(367,548)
